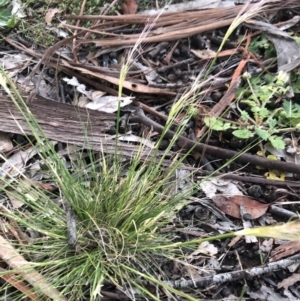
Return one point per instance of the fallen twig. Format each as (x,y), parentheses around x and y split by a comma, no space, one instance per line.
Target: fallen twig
(235,275)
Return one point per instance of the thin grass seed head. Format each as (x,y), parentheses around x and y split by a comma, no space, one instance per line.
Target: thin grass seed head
(133,53)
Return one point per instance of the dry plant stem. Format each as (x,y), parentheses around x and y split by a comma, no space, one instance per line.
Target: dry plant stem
(235,275)
(255,179)
(17,262)
(76,31)
(187,144)
(170,36)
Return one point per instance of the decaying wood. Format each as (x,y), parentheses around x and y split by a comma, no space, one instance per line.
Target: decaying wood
(69,124)
(61,119)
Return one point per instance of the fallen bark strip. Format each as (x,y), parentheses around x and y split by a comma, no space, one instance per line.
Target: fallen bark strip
(21,286)
(69,124)
(220,153)
(235,275)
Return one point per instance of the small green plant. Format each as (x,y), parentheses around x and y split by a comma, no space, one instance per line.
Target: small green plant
(258,118)
(7,18)
(262,46)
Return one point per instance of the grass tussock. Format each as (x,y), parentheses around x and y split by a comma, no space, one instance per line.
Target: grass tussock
(100,227)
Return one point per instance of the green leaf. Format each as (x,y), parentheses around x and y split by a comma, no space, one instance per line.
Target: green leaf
(244,116)
(5,17)
(243,133)
(227,125)
(265,93)
(269,78)
(272,122)
(296,87)
(216,124)
(263,113)
(249,102)
(4,2)
(263,134)
(12,22)
(255,109)
(277,142)
(290,113)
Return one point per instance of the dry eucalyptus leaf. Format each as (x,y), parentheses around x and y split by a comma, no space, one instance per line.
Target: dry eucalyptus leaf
(231,205)
(134,138)
(206,248)
(204,53)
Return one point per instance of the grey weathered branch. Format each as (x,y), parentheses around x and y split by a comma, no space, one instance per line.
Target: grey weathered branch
(235,275)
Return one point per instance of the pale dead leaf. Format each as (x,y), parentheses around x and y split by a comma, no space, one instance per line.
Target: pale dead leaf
(82,101)
(214,186)
(50,14)
(289,281)
(26,269)
(134,138)
(267,245)
(205,248)
(16,163)
(96,95)
(109,104)
(16,203)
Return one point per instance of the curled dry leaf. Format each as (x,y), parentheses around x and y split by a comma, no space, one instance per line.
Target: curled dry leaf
(231,205)
(130,7)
